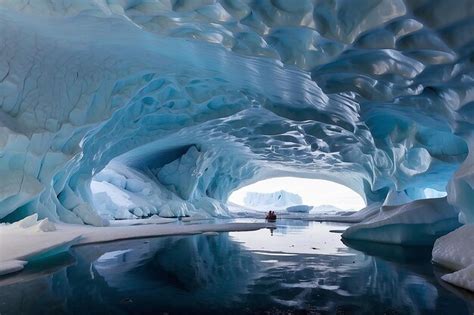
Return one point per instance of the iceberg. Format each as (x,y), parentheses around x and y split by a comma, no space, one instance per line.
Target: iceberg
(275,200)
(299,208)
(419,222)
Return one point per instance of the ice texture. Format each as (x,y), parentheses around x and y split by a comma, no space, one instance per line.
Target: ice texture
(454,251)
(200,98)
(204,97)
(419,222)
(267,201)
(299,208)
(29,239)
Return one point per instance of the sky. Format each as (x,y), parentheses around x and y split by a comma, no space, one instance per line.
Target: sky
(314,192)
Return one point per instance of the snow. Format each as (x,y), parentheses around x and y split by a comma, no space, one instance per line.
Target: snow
(11,266)
(26,240)
(91,234)
(31,238)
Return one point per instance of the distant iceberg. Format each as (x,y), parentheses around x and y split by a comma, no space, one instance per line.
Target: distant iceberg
(276,200)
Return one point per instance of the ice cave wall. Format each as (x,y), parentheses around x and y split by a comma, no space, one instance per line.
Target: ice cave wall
(202,97)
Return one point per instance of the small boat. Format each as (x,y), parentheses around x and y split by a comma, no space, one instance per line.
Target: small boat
(271,216)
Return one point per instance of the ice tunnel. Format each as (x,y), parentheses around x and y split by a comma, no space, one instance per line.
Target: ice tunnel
(173,105)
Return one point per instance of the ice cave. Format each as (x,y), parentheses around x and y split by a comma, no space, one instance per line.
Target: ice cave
(126,126)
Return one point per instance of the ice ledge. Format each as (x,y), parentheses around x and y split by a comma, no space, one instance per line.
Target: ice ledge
(419,222)
(455,251)
(24,241)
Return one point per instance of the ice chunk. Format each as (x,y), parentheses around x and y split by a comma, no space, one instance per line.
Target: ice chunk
(27,222)
(46,226)
(174,209)
(420,222)
(85,212)
(454,250)
(463,278)
(31,239)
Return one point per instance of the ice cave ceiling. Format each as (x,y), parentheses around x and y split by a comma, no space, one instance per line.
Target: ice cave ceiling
(200,97)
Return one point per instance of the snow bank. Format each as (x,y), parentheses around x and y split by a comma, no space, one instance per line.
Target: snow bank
(92,234)
(10,266)
(30,239)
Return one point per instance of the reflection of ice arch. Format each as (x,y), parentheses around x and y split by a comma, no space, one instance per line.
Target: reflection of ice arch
(198,266)
(207,272)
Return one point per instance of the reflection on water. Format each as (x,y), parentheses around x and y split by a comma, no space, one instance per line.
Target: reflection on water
(302,266)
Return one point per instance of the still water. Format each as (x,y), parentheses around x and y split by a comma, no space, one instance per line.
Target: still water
(298,268)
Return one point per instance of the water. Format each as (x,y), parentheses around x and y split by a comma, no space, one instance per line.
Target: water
(299,268)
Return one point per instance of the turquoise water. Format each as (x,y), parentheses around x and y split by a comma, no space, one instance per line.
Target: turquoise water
(298,268)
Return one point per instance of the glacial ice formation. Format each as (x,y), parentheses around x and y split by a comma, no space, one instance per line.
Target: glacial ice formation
(299,208)
(185,101)
(275,200)
(419,222)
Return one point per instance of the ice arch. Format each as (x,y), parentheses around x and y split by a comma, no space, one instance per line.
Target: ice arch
(199,98)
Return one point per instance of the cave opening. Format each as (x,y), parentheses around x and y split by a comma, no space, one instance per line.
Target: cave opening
(289,192)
